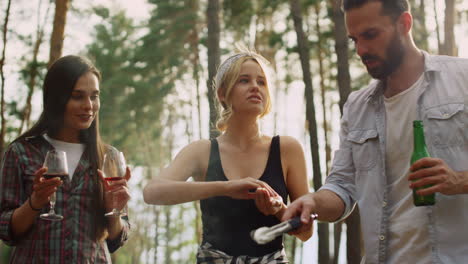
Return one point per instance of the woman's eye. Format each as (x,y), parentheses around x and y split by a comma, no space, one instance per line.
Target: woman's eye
(243,81)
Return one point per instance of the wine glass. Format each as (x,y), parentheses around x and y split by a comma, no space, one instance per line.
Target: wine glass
(57,166)
(114,168)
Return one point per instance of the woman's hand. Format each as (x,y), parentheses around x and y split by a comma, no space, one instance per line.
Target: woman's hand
(242,188)
(267,200)
(43,188)
(116,194)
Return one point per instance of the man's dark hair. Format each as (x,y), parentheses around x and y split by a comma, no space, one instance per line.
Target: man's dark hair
(393,8)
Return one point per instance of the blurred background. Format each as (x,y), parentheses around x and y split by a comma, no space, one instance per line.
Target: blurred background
(158,58)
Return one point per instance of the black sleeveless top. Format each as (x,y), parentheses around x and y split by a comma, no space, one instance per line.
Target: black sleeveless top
(227,222)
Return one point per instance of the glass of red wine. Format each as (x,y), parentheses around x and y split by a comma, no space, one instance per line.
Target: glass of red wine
(57,166)
(114,168)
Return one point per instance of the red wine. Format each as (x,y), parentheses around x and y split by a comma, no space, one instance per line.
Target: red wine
(53,175)
(112,178)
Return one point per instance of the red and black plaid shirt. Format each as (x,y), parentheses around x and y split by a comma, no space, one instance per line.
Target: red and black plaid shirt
(67,241)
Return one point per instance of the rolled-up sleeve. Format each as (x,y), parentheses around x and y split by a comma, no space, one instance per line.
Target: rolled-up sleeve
(10,193)
(121,239)
(341,178)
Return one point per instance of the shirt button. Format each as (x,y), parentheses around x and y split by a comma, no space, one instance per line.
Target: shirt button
(384,204)
(382,238)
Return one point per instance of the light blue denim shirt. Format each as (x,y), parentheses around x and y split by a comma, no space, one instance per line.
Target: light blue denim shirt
(358,170)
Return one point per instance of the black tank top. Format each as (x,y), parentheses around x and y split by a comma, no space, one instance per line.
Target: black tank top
(227,222)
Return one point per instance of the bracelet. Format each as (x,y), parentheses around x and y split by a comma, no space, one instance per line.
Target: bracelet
(32,207)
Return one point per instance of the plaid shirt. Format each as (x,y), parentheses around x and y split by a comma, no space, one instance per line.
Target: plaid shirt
(67,241)
(208,255)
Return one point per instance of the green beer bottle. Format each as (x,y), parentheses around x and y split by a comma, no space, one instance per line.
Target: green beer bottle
(419,152)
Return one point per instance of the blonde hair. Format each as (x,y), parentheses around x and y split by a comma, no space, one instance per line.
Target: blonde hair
(227,76)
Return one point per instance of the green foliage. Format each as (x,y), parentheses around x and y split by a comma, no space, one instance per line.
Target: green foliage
(139,69)
(238,14)
(113,53)
(276,39)
(5,252)
(138,74)
(308,3)
(164,48)
(101,11)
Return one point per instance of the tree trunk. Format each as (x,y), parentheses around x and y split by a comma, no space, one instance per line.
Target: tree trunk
(436,17)
(425,35)
(337,228)
(341,48)
(323,88)
(168,238)
(156,213)
(2,76)
(194,40)
(292,256)
(344,85)
(449,35)
(420,33)
(262,43)
(212,16)
(354,244)
(58,31)
(33,72)
(302,42)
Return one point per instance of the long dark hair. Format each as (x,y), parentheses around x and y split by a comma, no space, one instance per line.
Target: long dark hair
(59,83)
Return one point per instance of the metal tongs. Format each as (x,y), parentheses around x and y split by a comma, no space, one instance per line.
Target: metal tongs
(265,234)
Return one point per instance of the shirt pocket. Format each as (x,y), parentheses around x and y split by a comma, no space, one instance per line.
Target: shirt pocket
(365,146)
(446,125)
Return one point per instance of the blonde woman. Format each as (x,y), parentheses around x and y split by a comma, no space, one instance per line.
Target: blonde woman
(243,178)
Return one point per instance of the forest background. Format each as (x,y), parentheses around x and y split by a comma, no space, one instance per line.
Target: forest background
(158,58)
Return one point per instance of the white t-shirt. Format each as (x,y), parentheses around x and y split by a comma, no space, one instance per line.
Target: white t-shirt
(408,227)
(73,150)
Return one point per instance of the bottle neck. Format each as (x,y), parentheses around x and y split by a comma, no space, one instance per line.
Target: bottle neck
(419,142)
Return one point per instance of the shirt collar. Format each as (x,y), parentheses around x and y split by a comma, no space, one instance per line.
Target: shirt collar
(431,62)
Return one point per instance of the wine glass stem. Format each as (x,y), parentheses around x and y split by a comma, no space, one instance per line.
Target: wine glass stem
(113,202)
(52,204)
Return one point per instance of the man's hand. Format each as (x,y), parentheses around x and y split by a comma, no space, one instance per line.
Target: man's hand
(435,172)
(303,206)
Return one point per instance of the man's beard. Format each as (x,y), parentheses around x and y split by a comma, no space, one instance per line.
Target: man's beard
(393,58)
